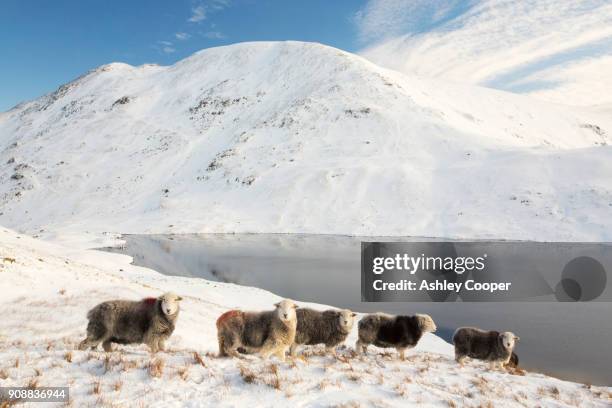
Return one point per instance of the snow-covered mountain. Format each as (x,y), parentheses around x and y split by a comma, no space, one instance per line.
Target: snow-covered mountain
(301,137)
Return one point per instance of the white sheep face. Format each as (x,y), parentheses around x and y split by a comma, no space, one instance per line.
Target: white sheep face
(346,320)
(285,310)
(427,324)
(508,340)
(170,303)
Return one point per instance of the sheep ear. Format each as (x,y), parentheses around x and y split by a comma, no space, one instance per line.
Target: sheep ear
(179,298)
(516,338)
(353,314)
(277,304)
(296,307)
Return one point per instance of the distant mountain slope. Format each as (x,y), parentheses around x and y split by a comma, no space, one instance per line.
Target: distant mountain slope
(300,137)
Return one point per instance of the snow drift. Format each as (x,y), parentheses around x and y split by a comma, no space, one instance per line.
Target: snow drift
(299,137)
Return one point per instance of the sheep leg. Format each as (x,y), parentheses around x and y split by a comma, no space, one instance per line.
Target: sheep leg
(331,350)
(493,365)
(151,340)
(402,353)
(107,346)
(233,352)
(96,333)
(360,347)
(280,353)
(268,348)
(161,344)
(293,350)
(460,360)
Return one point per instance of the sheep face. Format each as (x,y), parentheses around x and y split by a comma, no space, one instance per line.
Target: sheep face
(426,323)
(170,303)
(285,311)
(346,320)
(508,339)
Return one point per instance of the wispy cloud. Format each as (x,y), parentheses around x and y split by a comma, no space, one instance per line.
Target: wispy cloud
(213,35)
(198,14)
(165,47)
(182,36)
(202,10)
(545,48)
(380,19)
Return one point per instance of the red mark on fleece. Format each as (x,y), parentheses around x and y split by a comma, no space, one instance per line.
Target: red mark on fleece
(149,301)
(228,315)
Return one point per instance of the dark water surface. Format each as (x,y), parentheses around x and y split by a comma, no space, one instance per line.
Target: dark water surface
(567,340)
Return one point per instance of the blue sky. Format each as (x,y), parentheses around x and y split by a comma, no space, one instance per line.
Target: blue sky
(48,43)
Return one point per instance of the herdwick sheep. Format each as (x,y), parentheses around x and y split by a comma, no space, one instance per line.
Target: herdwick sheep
(150,321)
(329,327)
(492,346)
(267,333)
(400,332)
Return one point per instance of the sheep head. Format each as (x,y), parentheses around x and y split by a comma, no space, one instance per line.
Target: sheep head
(508,340)
(285,311)
(170,303)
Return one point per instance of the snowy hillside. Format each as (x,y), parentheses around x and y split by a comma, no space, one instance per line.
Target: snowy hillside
(46,290)
(300,137)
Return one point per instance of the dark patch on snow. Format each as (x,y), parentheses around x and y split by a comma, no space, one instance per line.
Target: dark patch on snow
(121,101)
(596,129)
(357,113)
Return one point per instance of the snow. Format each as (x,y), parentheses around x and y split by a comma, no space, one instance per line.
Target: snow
(290,137)
(46,290)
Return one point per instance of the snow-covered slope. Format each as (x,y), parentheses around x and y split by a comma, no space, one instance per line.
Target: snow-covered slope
(300,137)
(46,290)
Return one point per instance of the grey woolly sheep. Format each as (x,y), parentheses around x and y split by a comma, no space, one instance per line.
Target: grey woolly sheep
(492,346)
(399,332)
(267,333)
(330,327)
(150,321)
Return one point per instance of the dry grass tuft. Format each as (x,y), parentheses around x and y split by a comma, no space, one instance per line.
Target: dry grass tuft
(273,380)
(269,376)
(324,384)
(118,385)
(198,359)
(354,377)
(156,367)
(183,372)
(68,356)
(32,384)
(3,375)
(451,403)
(16,364)
(248,376)
(401,390)
(554,391)
(62,292)
(96,387)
